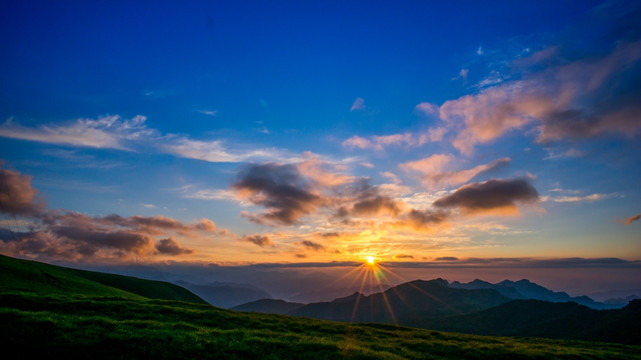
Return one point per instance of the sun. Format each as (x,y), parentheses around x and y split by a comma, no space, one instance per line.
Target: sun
(370,260)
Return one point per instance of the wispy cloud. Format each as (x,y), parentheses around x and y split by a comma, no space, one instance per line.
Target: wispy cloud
(114,132)
(359,104)
(434,173)
(576,199)
(216,151)
(632,219)
(107,132)
(209,112)
(379,142)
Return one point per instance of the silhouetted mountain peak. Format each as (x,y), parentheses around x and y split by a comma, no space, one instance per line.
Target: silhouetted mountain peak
(354,296)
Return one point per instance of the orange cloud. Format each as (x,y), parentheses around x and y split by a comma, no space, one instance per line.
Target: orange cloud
(434,173)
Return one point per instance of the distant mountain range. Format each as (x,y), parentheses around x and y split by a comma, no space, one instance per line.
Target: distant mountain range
(525,289)
(225,295)
(520,308)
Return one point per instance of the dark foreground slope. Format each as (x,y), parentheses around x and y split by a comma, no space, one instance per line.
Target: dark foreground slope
(37,277)
(40,320)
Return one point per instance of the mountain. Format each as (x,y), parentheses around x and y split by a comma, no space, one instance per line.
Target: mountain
(404,304)
(330,293)
(18,275)
(226,295)
(525,289)
(548,319)
(269,306)
(618,301)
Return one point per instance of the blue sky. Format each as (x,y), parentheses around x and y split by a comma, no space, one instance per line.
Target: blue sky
(410,131)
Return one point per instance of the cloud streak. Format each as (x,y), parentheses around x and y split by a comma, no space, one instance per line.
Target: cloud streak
(114,132)
(632,219)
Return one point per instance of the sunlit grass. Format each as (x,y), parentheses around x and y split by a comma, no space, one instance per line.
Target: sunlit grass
(69,327)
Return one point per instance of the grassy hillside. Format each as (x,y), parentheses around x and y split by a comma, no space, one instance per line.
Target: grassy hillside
(33,276)
(67,315)
(97,328)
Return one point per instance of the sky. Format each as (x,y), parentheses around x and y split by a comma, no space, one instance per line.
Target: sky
(454,136)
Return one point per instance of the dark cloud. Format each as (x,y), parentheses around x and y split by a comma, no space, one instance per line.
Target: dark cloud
(632,219)
(331,234)
(446,258)
(281,189)
(403,256)
(17,196)
(490,195)
(423,219)
(92,239)
(313,246)
(260,240)
(157,224)
(170,246)
(301,256)
(376,205)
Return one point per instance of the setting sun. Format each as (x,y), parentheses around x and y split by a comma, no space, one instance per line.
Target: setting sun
(370,260)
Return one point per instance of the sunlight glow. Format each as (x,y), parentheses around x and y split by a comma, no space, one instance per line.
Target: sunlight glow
(370,260)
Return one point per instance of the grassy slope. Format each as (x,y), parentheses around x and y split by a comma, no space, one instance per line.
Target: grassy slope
(41,320)
(32,276)
(66,327)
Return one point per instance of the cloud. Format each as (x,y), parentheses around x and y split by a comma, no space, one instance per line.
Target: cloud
(215,151)
(280,188)
(106,132)
(579,99)
(632,219)
(403,256)
(209,112)
(491,195)
(376,206)
(153,225)
(170,246)
(574,199)
(434,174)
(422,220)
(313,245)
(114,132)
(60,234)
(446,258)
(428,108)
(260,240)
(359,104)
(80,237)
(319,173)
(17,196)
(379,142)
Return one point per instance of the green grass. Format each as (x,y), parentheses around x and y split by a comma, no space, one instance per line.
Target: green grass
(106,327)
(37,277)
(110,323)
